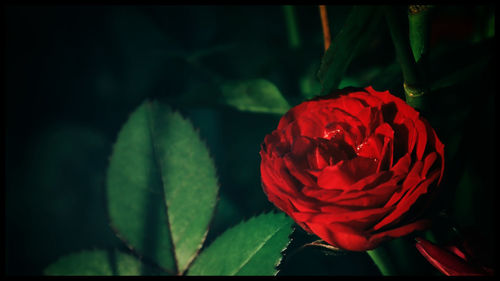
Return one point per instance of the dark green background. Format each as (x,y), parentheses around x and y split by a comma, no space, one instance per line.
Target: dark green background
(73,75)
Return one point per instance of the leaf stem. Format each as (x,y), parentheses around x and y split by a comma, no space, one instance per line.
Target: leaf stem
(291,26)
(382,260)
(325,26)
(414,85)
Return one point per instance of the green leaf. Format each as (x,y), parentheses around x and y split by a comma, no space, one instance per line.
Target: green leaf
(256,95)
(100,263)
(358,29)
(162,187)
(251,248)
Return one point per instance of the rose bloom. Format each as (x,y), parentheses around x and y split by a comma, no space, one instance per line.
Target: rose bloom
(356,167)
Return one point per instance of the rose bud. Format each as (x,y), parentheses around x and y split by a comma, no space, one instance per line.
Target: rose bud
(451,261)
(353,167)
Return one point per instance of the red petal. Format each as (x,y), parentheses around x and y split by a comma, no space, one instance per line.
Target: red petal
(367,99)
(371,118)
(292,114)
(421,138)
(406,137)
(341,214)
(294,167)
(334,177)
(309,127)
(406,202)
(338,119)
(403,109)
(411,180)
(437,144)
(345,173)
(413,177)
(375,197)
(371,147)
(457,252)
(352,106)
(368,187)
(429,160)
(406,229)
(386,158)
(346,237)
(445,261)
(402,166)
(340,235)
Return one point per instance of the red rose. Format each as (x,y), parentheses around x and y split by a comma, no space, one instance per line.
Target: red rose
(349,166)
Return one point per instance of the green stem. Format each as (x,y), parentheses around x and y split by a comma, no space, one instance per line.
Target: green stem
(291,25)
(382,260)
(418,20)
(414,85)
(419,28)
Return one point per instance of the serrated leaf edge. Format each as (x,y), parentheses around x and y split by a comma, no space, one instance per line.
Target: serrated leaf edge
(198,247)
(258,249)
(122,238)
(245,221)
(282,252)
(114,229)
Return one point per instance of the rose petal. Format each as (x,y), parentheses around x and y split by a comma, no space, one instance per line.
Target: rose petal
(421,138)
(352,134)
(316,160)
(292,114)
(371,147)
(350,105)
(294,167)
(340,235)
(375,197)
(413,178)
(346,173)
(346,237)
(274,145)
(402,166)
(406,137)
(324,195)
(367,99)
(445,261)
(377,238)
(403,109)
(371,118)
(278,184)
(339,121)
(368,182)
(457,252)
(406,202)
(309,127)
(437,144)
(356,190)
(341,215)
(429,160)
(275,178)
(386,157)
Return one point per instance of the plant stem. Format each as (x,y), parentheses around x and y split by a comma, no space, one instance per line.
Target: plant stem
(418,20)
(291,26)
(419,28)
(414,85)
(382,260)
(325,26)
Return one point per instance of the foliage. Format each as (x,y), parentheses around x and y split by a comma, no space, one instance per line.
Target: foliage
(134,120)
